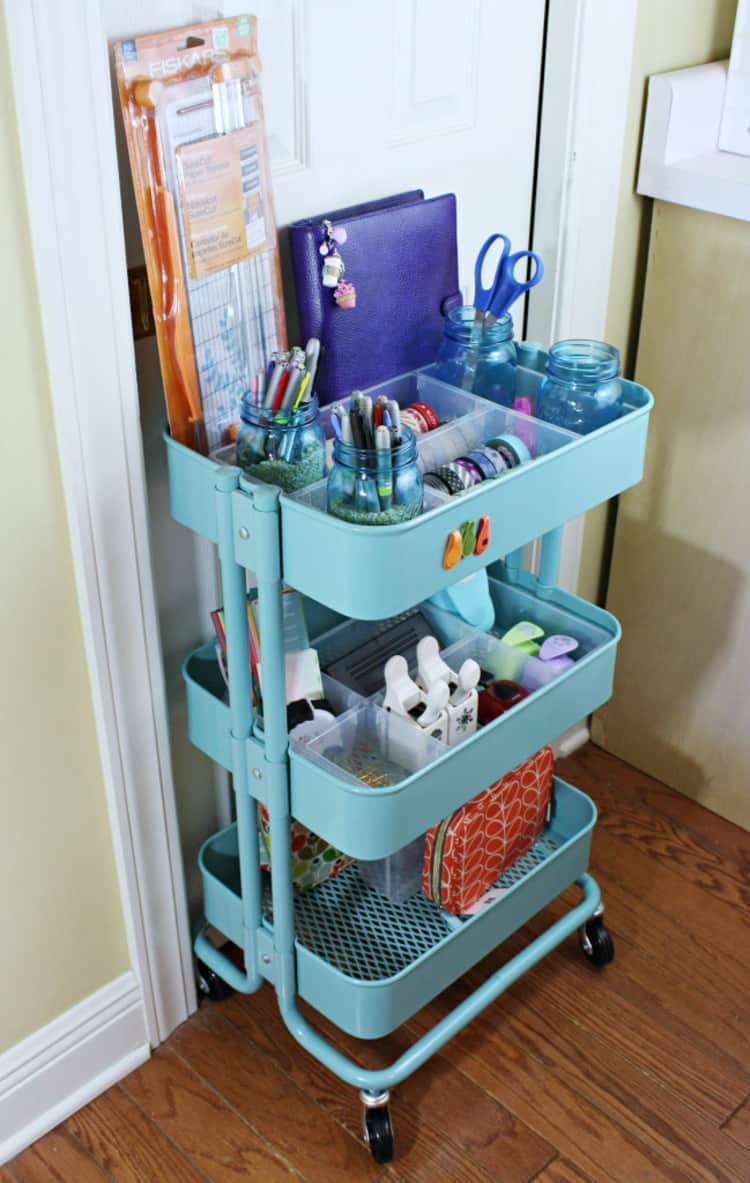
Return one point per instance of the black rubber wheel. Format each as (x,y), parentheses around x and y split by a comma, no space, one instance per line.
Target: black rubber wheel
(379,1133)
(210,984)
(602,948)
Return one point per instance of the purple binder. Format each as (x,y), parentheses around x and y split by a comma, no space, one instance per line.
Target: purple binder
(401,256)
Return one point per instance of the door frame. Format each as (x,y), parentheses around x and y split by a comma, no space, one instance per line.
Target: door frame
(74,209)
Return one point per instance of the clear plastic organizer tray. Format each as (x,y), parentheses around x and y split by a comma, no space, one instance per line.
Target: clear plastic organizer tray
(367,963)
(372,782)
(374,572)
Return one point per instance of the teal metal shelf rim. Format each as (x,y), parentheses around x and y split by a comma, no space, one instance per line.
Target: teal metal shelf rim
(370,580)
(370,823)
(368,964)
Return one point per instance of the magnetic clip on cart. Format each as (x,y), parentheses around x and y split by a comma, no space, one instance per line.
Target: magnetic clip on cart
(365,963)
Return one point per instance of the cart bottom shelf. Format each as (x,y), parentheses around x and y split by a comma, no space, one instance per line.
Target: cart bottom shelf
(369,964)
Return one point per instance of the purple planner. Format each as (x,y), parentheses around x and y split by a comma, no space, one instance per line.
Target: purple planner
(400,254)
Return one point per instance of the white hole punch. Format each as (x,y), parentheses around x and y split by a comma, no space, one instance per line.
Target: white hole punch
(431,667)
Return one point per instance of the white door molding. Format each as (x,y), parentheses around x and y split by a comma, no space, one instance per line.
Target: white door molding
(584,107)
(77,238)
(74,207)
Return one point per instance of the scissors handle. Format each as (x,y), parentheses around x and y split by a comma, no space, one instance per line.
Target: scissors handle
(508,288)
(483,296)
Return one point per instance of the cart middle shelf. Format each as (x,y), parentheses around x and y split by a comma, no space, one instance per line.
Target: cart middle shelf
(372,781)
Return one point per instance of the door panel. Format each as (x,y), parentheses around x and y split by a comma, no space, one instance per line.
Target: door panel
(360,102)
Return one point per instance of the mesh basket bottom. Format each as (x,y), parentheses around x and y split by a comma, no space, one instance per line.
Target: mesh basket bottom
(367,937)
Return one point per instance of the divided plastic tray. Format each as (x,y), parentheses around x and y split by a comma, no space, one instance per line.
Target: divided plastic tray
(361,571)
(416,781)
(368,964)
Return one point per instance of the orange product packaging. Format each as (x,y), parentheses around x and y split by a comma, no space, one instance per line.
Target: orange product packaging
(193,112)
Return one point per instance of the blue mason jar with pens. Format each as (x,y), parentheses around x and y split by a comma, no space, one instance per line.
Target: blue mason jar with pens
(280,440)
(375,479)
(478,352)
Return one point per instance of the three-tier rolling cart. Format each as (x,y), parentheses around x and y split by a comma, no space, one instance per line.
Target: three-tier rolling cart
(364,962)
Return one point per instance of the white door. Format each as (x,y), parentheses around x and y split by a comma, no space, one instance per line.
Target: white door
(361,101)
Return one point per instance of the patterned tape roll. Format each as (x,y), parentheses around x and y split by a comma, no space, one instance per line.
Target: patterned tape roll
(428,413)
(484,463)
(474,472)
(413,419)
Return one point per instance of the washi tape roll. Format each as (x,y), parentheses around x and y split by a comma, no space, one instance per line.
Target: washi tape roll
(474,472)
(511,448)
(428,413)
(435,481)
(484,463)
(413,419)
(456,478)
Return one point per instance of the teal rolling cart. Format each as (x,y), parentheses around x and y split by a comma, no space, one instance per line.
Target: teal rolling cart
(362,961)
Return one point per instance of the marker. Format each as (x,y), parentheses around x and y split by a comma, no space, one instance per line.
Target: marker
(281,386)
(289,397)
(347,436)
(357,431)
(312,359)
(384,466)
(395,412)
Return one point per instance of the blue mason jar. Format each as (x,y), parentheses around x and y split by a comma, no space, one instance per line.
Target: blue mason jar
(482,360)
(581,389)
(374,488)
(289,454)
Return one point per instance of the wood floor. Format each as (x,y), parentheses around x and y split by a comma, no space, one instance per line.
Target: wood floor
(633,1074)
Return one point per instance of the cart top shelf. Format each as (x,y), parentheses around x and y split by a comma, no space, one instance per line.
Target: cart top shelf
(372,572)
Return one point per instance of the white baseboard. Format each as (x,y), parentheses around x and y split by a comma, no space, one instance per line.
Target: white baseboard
(66,1064)
(571,740)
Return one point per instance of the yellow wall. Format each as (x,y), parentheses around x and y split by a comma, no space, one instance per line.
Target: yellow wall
(63,933)
(681,572)
(670,34)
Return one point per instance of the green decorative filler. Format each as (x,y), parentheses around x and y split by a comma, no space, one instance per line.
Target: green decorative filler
(367,517)
(288,475)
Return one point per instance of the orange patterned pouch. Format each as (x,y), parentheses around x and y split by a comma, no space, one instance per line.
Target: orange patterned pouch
(471,848)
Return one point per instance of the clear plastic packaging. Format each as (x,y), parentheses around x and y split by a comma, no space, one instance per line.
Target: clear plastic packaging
(193,114)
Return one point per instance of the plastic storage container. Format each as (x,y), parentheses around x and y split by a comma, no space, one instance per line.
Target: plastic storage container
(398,877)
(482,360)
(288,454)
(581,390)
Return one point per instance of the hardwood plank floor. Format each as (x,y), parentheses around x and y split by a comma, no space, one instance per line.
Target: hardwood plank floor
(638,1073)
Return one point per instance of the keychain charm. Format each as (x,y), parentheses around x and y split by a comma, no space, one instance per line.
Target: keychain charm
(332,273)
(345,294)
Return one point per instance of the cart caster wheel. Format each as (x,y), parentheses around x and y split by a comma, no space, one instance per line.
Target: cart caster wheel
(596,941)
(379,1131)
(210,984)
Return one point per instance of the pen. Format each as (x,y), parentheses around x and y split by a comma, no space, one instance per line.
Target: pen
(384,466)
(395,413)
(312,359)
(275,376)
(290,396)
(347,436)
(358,436)
(366,411)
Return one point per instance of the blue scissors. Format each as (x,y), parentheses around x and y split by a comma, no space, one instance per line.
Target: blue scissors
(493,302)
